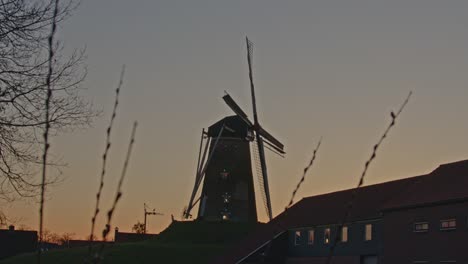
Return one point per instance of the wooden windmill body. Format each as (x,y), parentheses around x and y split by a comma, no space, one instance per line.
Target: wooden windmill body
(225,165)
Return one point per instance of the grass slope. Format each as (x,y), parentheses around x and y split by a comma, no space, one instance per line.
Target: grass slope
(181,242)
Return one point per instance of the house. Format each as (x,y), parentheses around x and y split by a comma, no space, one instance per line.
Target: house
(75,243)
(14,242)
(431,217)
(123,237)
(421,219)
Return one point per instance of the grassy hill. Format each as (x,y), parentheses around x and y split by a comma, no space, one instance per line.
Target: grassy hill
(181,242)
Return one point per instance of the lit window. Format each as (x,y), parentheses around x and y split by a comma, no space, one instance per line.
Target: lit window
(326,235)
(311,237)
(368,232)
(448,224)
(421,227)
(224,175)
(297,238)
(344,234)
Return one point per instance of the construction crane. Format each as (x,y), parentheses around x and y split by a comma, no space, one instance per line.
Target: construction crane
(148,212)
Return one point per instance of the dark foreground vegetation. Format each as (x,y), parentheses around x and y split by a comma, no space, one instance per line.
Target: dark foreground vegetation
(181,242)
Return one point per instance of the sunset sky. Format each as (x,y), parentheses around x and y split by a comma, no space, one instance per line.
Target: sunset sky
(322,68)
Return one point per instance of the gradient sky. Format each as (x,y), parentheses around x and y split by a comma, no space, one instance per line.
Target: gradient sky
(322,68)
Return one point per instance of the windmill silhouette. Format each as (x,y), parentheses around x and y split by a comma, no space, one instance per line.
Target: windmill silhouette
(225,164)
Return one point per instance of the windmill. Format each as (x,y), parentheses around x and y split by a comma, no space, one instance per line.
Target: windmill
(225,164)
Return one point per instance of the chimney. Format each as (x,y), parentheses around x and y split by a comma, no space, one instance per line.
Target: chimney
(116,234)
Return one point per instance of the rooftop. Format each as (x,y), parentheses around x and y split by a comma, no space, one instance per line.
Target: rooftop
(445,184)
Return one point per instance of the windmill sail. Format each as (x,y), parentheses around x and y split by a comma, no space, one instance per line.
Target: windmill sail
(261,149)
(259,172)
(201,172)
(271,140)
(261,154)
(236,108)
(197,178)
(252,86)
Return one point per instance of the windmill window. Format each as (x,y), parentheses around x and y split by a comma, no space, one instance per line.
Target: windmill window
(226,198)
(421,227)
(311,237)
(448,224)
(297,238)
(344,234)
(326,235)
(368,232)
(224,175)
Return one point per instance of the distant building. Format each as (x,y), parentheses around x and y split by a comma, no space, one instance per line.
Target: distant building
(122,237)
(47,246)
(421,219)
(73,243)
(14,242)
(119,237)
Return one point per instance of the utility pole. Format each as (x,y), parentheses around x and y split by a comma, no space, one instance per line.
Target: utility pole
(147,212)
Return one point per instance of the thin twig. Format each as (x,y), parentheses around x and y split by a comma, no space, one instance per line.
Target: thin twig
(363,174)
(278,220)
(47,127)
(106,153)
(304,174)
(118,194)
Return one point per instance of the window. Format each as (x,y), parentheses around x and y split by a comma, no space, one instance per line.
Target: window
(224,175)
(344,234)
(448,224)
(326,235)
(311,237)
(368,232)
(420,261)
(448,261)
(297,238)
(369,260)
(421,227)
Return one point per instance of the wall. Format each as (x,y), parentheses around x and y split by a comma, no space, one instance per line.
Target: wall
(356,245)
(403,245)
(14,242)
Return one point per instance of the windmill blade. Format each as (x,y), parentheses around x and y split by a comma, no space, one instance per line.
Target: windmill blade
(202,164)
(236,108)
(197,178)
(261,154)
(186,212)
(273,149)
(274,142)
(259,173)
(200,150)
(201,173)
(184,215)
(271,140)
(252,86)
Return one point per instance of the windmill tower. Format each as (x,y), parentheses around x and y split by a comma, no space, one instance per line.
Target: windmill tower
(225,164)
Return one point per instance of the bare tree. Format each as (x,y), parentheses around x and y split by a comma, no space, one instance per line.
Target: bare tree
(139,228)
(3,219)
(24,31)
(50,237)
(65,238)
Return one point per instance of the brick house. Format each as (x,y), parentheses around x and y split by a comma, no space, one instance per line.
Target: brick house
(14,242)
(422,219)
